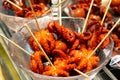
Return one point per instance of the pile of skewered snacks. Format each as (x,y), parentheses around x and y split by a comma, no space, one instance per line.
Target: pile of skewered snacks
(66,49)
(39,6)
(81,7)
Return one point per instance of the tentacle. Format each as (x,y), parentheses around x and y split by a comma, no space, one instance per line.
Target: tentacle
(59,53)
(88,67)
(85,36)
(82,64)
(68,35)
(55,28)
(36,64)
(106,42)
(47,45)
(64,64)
(75,44)
(75,56)
(45,38)
(51,72)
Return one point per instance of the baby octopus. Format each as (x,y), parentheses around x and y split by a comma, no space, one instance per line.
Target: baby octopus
(61,31)
(62,68)
(45,38)
(36,63)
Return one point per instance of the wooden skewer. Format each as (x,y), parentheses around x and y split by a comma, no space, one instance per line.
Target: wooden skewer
(15,44)
(34,15)
(106,12)
(40,46)
(84,26)
(104,38)
(35,37)
(61,2)
(85,75)
(60,14)
(14,4)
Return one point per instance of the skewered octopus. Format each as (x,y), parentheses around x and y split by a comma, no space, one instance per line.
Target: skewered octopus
(80,9)
(38,6)
(107,40)
(80,58)
(62,68)
(61,31)
(66,55)
(86,64)
(97,30)
(45,38)
(27,12)
(36,63)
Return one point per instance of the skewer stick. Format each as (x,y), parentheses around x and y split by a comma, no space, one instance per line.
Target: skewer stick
(15,44)
(104,38)
(14,4)
(106,12)
(81,73)
(84,26)
(61,2)
(40,46)
(34,15)
(35,37)
(60,14)
(56,6)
